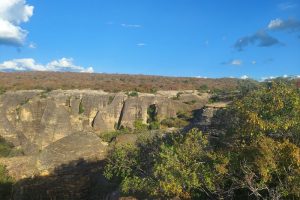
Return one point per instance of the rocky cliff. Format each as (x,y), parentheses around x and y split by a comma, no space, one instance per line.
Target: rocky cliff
(55,134)
(34,120)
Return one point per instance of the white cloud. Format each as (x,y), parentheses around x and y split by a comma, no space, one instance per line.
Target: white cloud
(244,77)
(236,62)
(201,77)
(12,14)
(253,62)
(29,64)
(275,23)
(284,25)
(32,45)
(131,25)
(286,6)
(141,44)
(268,78)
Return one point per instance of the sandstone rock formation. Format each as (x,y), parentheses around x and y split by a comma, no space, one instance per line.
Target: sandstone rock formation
(34,119)
(57,132)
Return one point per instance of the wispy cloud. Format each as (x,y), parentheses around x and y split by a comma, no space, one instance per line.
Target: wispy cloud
(32,45)
(29,64)
(141,44)
(235,62)
(204,77)
(260,39)
(284,25)
(12,14)
(131,25)
(287,6)
(291,77)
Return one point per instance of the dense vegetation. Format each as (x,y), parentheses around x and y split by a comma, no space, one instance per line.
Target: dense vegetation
(257,158)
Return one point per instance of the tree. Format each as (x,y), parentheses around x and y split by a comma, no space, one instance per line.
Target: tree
(259,160)
(272,110)
(266,169)
(178,165)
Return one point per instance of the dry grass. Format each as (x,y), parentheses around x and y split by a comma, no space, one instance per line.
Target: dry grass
(106,82)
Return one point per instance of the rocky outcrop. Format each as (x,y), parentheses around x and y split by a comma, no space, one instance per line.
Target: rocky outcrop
(58,133)
(86,146)
(32,120)
(77,146)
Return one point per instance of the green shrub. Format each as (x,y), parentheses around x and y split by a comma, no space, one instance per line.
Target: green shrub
(139,125)
(155,125)
(109,136)
(153,90)
(81,108)
(177,96)
(5,147)
(203,88)
(2,90)
(175,166)
(133,94)
(184,115)
(174,122)
(214,99)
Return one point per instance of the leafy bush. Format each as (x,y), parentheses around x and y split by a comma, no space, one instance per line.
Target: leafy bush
(81,108)
(152,118)
(203,88)
(273,110)
(177,97)
(174,122)
(214,99)
(5,147)
(155,125)
(266,168)
(133,94)
(184,115)
(178,165)
(109,136)
(139,125)
(2,90)
(153,90)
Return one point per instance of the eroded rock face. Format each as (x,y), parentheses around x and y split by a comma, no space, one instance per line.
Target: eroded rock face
(86,146)
(32,120)
(57,132)
(76,147)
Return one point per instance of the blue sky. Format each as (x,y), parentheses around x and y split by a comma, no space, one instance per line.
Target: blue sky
(206,38)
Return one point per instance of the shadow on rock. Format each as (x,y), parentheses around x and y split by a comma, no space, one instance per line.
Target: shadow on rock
(76,180)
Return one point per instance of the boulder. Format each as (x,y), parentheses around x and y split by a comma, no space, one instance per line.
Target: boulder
(77,146)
